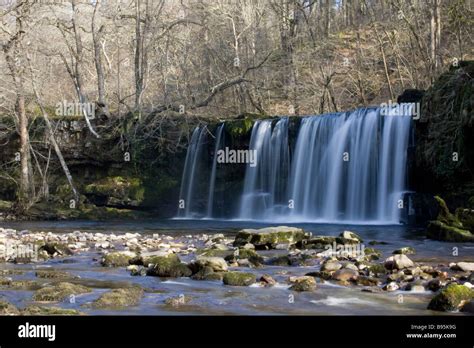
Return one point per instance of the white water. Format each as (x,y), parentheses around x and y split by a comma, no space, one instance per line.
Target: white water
(345,168)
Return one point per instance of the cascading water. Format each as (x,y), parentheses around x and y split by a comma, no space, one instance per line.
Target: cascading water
(212,182)
(191,174)
(345,167)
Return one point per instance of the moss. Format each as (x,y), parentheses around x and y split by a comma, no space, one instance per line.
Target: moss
(168,266)
(52,274)
(214,252)
(239,278)
(59,292)
(207,273)
(377,269)
(466,216)
(40,310)
(239,128)
(316,242)
(117,259)
(6,308)
(445,216)
(118,190)
(119,298)
(439,231)
(372,253)
(451,298)
(306,283)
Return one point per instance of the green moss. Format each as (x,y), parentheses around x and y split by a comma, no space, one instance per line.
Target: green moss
(119,298)
(451,298)
(59,292)
(466,216)
(439,231)
(168,266)
(377,269)
(207,273)
(239,278)
(40,310)
(117,259)
(445,216)
(118,190)
(372,253)
(239,128)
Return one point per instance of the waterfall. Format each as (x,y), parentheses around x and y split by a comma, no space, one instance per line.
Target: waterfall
(345,167)
(212,182)
(191,173)
(264,183)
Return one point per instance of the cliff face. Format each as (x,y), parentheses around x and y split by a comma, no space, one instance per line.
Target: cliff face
(444,155)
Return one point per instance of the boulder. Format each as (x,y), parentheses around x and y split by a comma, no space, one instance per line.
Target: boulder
(117,259)
(207,273)
(464,266)
(440,231)
(404,251)
(345,274)
(168,266)
(269,237)
(119,298)
(267,280)
(348,237)
(331,266)
(59,292)
(217,264)
(177,301)
(239,278)
(400,261)
(304,283)
(316,242)
(451,298)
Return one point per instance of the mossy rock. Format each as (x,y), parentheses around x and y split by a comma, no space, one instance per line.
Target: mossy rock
(372,254)
(118,259)
(52,274)
(6,308)
(249,254)
(59,292)
(466,216)
(119,298)
(177,301)
(377,269)
(41,310)
(305,283)
(316,242)
(168,266)
(348,237)
(405,251)
(116,191)
(19,284)
(269,237)
(207,273)
(214,252)
(283,260)
(451,298)
(439,231)
(55,248)
(445,216)
(239,278)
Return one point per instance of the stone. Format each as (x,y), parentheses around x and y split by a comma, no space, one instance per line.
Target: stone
(367,281)
(404,251)
(55,249)
(207,273)
(267,280)
(117,259)
(304,283)
(331,266)
(451,298)
(345,274)
(348,237)
(6,308)
(372,254)
(400,261)
(218,264)
(59,292)
(392,286)
(464,266)
(168,266)
(177,301)
(119,298)
(439,231)
(239,278)
(269,237)
(322,275)
(316,242)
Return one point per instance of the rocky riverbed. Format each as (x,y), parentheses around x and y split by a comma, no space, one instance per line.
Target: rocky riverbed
(274,270)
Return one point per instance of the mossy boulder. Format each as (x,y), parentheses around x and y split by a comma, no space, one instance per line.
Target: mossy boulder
(445,215)
(116,191)
(269,237)
(466,216)
(348,237)
(117,259)
(41,310)
(218,264)
(239,278)
(405,251)
(6,308)
(59,292)
(304,283)
(451,298)
(440,231)
(316,242)
(19,284)
(372,254)
(251,255)
(119,298)
(168,266)
(207,273)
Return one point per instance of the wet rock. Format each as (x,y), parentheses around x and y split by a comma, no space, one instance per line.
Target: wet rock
(435,284)
(6,308)
(348,237)
(316,242)
(254,258)
(117,259)
(207,273)
(119,298)
(451,298)
(373,289)
(404,251)
(283,260)
(218,264)
(267,280)
(239,278)
(168,266)
(136,270)
(331,266)
(372,254)
(398,262)
(392,286)
(304,283)
(56,249)
(367,281)
(52,274)
(40,310)
(214,253)
(59,292)
(177,300)
(321,274)
(268,238)
(345,274)
(464,266)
